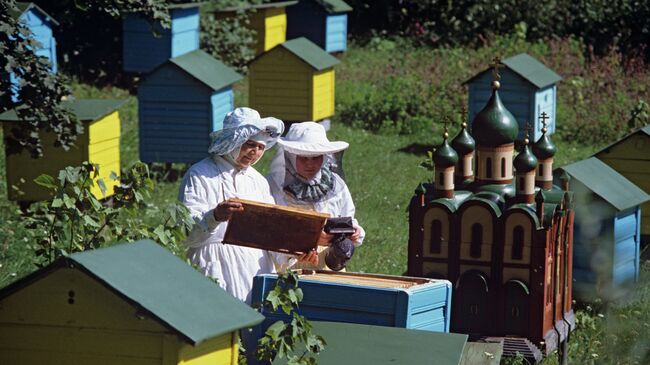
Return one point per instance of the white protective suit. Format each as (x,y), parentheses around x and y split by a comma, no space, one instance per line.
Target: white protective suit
(205,185)
(337,202)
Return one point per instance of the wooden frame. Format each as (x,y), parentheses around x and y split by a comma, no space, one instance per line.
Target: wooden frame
(275,228)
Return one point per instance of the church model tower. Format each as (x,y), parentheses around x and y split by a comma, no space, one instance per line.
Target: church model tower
(498,229)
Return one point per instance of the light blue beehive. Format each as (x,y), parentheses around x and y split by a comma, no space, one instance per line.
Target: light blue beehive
(381,300)
(180,103)
(40,25)
(142,50)
(324,22)
(528,88)
(607,230)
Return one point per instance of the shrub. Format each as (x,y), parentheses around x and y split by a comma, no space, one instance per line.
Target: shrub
(74,220)
(390,85)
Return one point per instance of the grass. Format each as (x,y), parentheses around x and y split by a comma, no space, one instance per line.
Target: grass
(382,172)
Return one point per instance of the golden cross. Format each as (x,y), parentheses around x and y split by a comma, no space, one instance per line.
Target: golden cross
(496,65)
(446,122)
(463,113)
(543,117)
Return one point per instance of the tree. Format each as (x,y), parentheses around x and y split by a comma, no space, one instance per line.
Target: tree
(38,94)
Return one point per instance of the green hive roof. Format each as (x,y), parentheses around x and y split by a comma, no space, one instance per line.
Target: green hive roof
(349,343)
(334,6)
(147,275)
(445,156)
(206,69)
(310,53)
(84,109)
(605,182)
(494,125)
(528,68)
(463,143)
(23,7)
(525,160)
(544,147)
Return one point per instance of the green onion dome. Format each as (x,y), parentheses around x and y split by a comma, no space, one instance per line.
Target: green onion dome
(494,125)
(444,156)
(544,148)
(463,143)
(525,160)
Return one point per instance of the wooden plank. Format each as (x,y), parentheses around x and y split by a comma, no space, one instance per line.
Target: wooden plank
(265,226)
(478,353)
(47,302)
(631,148)
(215,351)
(275,27)
(374,280)
(56,341)
(637,163)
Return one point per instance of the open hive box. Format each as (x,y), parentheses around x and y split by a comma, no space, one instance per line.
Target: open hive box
(384,300)
(275,228)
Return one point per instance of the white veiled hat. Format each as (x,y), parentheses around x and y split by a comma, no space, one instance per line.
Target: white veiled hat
(241,125)
(310,139)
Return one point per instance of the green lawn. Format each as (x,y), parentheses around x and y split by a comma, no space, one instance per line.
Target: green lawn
(382,172)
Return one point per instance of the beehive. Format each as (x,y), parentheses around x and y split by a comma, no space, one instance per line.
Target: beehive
(294,82)
(179,103)
(324,22)
(129,304)
(99,144)
(383,300)
(606,253)
(528,89)
(146,46)
(629,157)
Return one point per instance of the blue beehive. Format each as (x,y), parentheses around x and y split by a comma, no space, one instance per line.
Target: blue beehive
(528,88)
(143,50)
(40,24)
(324,22)
(180,103)
(382,300)
(607,229)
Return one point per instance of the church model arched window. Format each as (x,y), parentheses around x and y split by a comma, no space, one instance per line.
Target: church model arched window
(436,236)
(541,169)
(518,243)
(503,167)
(488,168)
(477,238)
(441,176)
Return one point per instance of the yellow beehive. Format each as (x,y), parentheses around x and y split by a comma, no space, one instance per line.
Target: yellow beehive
(99,144)
(268,20)
(294,82)
(629,157)
(129,304)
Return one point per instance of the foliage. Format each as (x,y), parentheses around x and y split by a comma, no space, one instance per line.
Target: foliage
(75,220)
(390,85)
(37,88)
(600,23)
(229,38)
(283,339)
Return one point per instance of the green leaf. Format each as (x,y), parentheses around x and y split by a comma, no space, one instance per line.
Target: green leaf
(275,329)
(46,181)
(68,201)
(91,222)
(102,186)
(57,203)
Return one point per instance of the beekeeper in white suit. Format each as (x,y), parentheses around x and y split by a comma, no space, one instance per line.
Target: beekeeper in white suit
(210,183)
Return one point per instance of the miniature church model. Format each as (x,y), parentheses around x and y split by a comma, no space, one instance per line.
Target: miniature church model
(500,231)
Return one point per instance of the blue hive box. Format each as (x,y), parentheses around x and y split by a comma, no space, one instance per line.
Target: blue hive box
(383,300)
